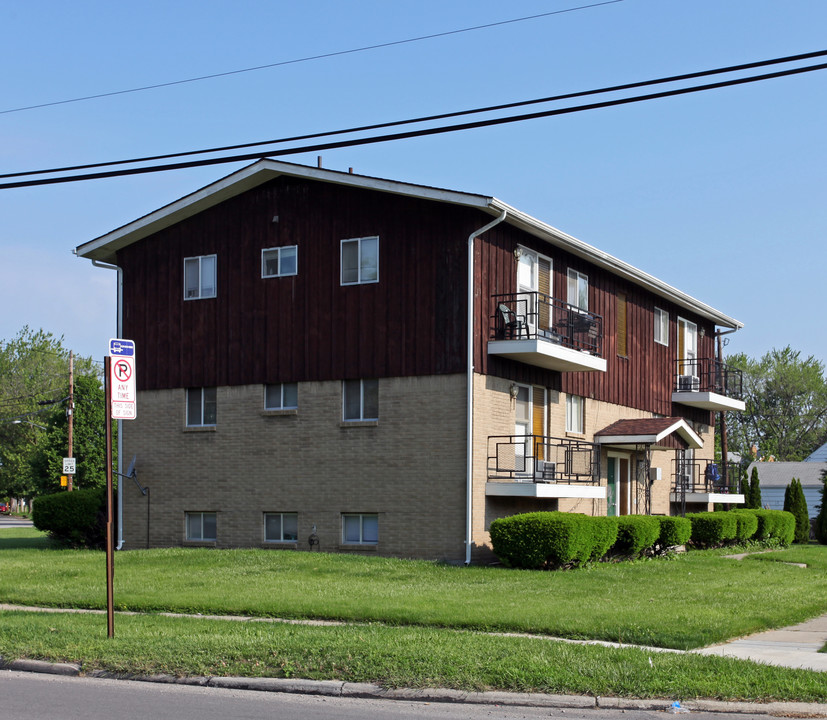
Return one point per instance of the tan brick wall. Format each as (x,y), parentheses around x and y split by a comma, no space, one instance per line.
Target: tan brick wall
(494,414)
(409,467)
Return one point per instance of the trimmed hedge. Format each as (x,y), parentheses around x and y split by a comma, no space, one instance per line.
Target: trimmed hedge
(604,534)
(776,525)
(77,518)
(674,531)
(542,539)
(747,525)
(711,529)
(635,534)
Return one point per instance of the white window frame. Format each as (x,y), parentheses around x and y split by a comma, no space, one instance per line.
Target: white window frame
(293,517)
(576,283)
(200,515)
(281,393)
(661,326)
(360,517)
(204,391)
(201,293)
(575,414)
(277,252)
(362,277)
(362,415)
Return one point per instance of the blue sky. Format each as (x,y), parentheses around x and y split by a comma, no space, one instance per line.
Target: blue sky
(721,194)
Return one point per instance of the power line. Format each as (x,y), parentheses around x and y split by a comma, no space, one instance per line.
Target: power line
(441,116)
(412,134)
(322,56)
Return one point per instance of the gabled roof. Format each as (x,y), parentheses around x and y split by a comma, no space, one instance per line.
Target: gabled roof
(647,431)
(819,455)
(105,247)
(779,474)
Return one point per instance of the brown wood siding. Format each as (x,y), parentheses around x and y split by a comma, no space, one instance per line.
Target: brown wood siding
(308,326)
(642,379)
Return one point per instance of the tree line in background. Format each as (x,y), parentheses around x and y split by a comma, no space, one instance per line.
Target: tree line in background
(786,399)
(34,392)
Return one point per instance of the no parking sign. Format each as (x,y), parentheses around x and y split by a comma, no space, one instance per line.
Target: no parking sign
(122,379)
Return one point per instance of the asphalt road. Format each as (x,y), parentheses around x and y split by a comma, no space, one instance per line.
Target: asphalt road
(8,521)
(32,696)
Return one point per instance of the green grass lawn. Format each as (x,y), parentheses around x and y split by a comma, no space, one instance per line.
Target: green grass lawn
(404,607)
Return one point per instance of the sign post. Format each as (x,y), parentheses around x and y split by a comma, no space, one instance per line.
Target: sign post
(119,398)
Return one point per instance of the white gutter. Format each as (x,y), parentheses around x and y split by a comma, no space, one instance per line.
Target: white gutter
(469,423)
(118,332)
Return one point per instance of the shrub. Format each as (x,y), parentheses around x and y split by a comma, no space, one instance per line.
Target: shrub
(796,503)
(636,534)
(774,525)
(674,531)
(604,535)
(747,525)
(711,529)
(76,518)
(754,497)
(542,539)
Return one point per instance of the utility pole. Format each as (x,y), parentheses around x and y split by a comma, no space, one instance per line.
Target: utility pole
(70,410)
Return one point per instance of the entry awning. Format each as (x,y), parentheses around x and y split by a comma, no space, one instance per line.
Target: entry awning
(658,433)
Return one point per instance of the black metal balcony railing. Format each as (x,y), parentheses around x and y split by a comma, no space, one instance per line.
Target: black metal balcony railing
(540,459)
(530,315)
(705,477)
(708,375)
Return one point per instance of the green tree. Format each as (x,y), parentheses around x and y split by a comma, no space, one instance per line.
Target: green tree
(34,372)
(786,398)
(796,503)
(821,518)
(753,494)
(88,441)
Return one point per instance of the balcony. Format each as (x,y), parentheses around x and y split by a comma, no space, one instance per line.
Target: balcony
(543,467)
(704,482)
(709,384)
(539,330)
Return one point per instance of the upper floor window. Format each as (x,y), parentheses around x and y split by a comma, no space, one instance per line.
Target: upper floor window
(279,261)
(578,289)
(575,420)
(281,396)
(360,400)
(199,277)
(201,406)
(360,260)
(661,326)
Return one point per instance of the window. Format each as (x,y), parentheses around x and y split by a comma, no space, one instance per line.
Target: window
(360,399)
(360,260)
(199,277)
(574,414)
(661,326)
(201,526)
(201,406)
(281,396)
(281,527)
(279,261)
(578,289)
(360,529)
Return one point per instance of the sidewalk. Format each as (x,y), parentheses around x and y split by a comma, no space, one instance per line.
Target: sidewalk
(794,647)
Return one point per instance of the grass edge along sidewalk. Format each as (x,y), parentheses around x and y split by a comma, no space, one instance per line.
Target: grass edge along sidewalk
(392,657)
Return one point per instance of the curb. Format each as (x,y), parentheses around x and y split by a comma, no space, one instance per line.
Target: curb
(334,688)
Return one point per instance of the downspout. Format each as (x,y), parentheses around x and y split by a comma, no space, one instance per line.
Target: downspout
(118,333)
(469,422)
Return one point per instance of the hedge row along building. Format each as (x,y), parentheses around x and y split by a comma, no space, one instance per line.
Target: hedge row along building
(376,366)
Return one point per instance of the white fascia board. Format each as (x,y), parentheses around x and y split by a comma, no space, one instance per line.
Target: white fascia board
(681,427)
(617,267)
(104,247)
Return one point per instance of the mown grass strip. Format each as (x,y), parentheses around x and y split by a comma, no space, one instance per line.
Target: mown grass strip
(393,657)
(691,601)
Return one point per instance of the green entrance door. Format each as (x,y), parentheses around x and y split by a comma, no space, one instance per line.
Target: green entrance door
(611,489)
